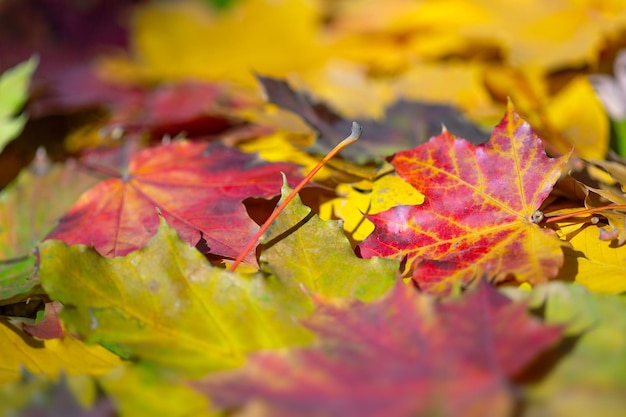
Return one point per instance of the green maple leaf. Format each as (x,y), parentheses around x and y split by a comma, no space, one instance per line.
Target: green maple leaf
(14,84)
(29,208)
(302,249)
(166,305)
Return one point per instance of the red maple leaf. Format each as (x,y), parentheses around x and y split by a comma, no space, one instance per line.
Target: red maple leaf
(196,108)
(193,107)
(480,213)
(400,356)
(198,188)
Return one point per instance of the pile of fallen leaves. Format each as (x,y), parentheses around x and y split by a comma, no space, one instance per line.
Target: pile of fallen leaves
(465,257)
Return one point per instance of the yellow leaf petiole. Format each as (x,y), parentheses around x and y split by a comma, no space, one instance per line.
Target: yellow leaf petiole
(553,219)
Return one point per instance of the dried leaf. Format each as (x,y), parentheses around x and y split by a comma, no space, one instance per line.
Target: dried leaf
(602,183)
(404,125)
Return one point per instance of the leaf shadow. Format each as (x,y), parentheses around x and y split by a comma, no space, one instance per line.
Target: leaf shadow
(273,241)
(29,340)
(546,361)
(541,367)
(569,270)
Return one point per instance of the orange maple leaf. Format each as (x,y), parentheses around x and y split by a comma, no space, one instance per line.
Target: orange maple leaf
(480,214)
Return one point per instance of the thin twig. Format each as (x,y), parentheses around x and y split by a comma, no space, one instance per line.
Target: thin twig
(355,134)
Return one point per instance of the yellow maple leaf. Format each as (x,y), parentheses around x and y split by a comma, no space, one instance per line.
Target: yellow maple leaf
(594,263)
(532,32)
(51,357)
(585,126)
(286,147)
(349,89)
(571,118)
(369,197)
(174,40)
(460,84)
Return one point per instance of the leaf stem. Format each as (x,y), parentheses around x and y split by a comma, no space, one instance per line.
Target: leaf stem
(355,134)
(553,219)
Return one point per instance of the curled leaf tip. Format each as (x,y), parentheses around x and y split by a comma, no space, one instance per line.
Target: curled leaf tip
(356,132)
(509,105)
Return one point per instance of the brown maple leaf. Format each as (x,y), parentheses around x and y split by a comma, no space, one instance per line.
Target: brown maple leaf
(405,124)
